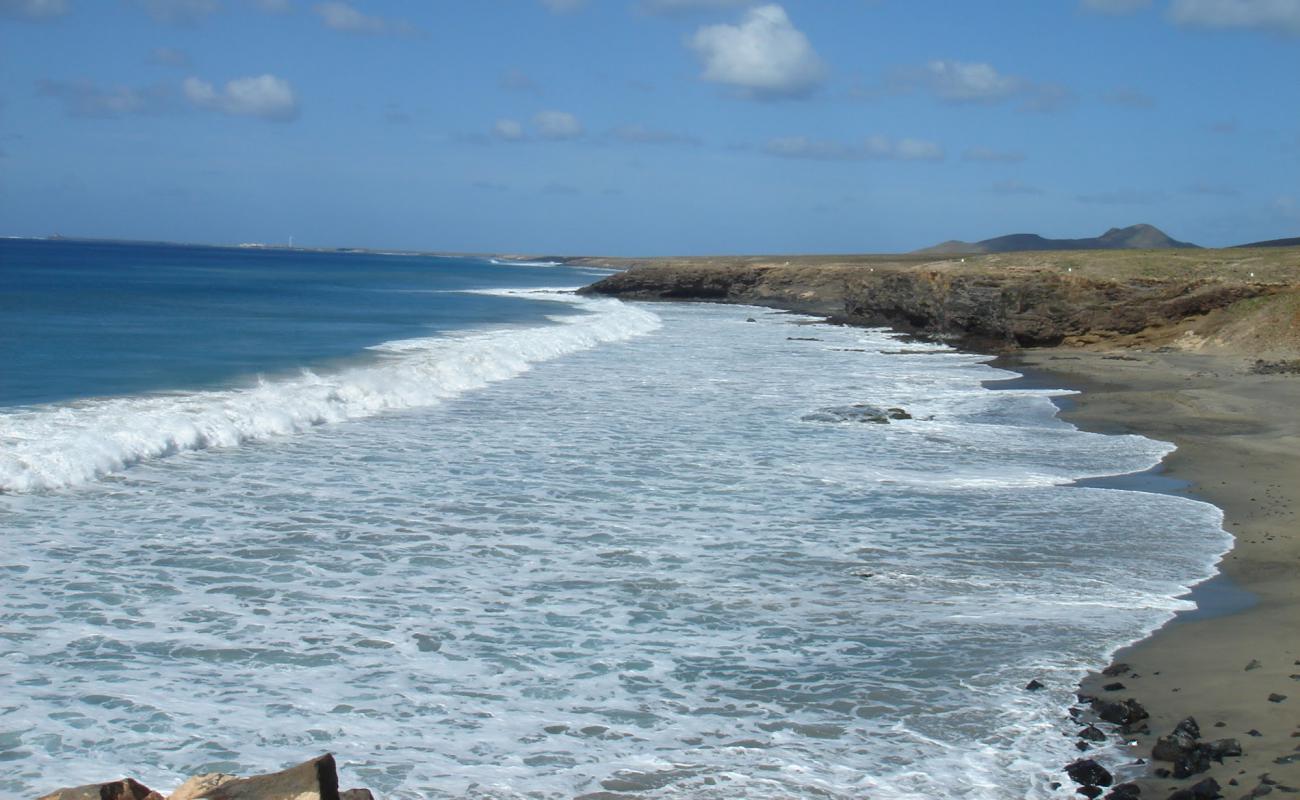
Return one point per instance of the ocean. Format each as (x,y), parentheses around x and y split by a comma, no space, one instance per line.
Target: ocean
(481,537)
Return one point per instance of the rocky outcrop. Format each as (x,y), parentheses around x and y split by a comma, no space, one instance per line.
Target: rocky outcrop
(983,307)
(312,780)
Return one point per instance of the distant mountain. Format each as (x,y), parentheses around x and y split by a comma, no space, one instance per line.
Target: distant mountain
(1293,242)
(1134,237)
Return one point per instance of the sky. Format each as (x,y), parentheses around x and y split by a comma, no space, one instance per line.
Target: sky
(648,127)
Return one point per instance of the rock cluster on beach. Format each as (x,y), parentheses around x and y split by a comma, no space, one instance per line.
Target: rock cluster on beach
(311,780)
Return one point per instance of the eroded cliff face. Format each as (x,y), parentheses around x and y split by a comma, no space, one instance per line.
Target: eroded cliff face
(1012,308)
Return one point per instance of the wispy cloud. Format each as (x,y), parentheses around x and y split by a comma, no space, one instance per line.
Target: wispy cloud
(510,130)
(170,57)
(1128,97)
(1114,6)
(84,98)
(992,156)
(516,80)
(763,57)
(557,125)
(974,83)
(640,134)
(1212,190)
(179,12)
(1015,188)
(1271,16)
(1122,197)
(33,10)
(264,96)
(342,17)
(873,147)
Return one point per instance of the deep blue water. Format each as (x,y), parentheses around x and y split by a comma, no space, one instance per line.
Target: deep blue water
(93,319)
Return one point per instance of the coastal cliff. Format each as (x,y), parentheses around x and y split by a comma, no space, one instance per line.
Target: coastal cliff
(1004,301)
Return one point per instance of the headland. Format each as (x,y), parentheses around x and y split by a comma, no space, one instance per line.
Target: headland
(1197,347)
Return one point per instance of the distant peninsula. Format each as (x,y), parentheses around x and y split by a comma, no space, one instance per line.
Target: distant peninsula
(1134,237)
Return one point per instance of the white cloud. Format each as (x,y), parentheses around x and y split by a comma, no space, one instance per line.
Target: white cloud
(179,12)
(264,96)
(85,99)
(764,56)
(557,125)
(873,147)
(1276,16)
(33,9)
(1115,6)
(1128,97)
(966,82)
(342,17)
(992,156)
(508,129)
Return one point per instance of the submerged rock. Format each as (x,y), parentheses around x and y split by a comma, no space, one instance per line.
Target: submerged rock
(1087,772)
(858,412)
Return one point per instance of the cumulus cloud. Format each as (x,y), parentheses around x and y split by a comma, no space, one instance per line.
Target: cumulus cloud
(511,130)
(342,17)
(33,9)
(763,57)
(992,156)
(557,125)
(1114,6)
(1128,97)
(873,147)
(1274,16)
(179,12)
(264,96)
(85,99)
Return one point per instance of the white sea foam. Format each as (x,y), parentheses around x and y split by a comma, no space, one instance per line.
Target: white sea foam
(50,447)
(632,570)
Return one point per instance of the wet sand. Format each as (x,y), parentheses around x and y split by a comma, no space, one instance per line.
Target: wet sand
(1238,439)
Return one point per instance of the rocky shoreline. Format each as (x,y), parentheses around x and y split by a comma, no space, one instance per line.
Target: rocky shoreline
(316,779)
(1200,350)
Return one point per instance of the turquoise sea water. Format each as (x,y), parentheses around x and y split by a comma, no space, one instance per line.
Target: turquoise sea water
(482,538)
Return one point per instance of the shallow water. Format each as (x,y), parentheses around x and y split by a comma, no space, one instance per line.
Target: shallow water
(629,566)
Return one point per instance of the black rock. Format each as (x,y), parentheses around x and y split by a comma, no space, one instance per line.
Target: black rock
(1191,763)
(1123,712)
(1091,792)
(1220,724)
(1276,698)
(897,413)
(1114,687)
(1207,789)
(1125,791)
(750,319)
(1188,727)
(1161,772)
(1220,749)
(1173,747)
(858,412)
(1113,670)
(1254,664)
(1093,734)
(1082,746)
(1088,773)
(1034,685)
(1253,732)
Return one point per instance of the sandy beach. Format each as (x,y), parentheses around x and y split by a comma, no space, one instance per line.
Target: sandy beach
(1238,439)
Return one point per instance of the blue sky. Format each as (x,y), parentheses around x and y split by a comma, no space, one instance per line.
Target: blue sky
(643,127)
